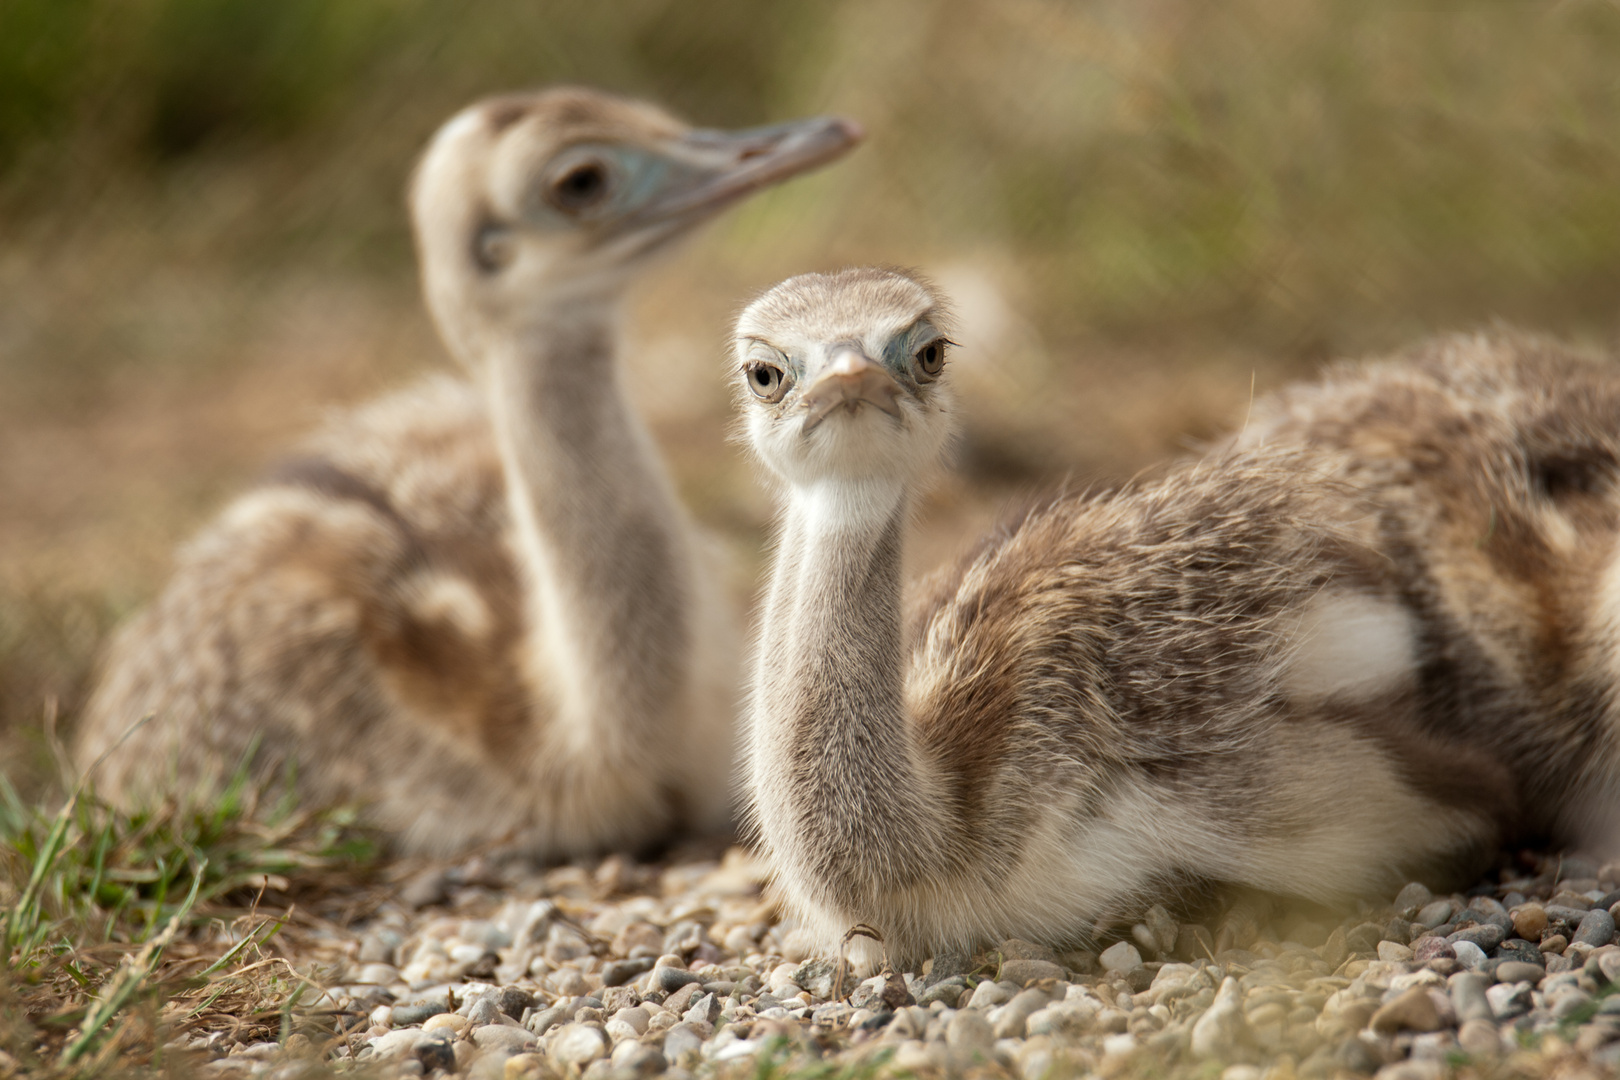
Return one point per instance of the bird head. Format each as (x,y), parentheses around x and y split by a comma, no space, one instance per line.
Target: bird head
(840,376)
(563,194)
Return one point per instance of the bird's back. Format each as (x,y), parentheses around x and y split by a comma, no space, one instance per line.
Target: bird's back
(352,615)
(1494,461)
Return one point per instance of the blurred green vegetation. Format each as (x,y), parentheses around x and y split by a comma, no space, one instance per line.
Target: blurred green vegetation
(1285,171)
(201,220)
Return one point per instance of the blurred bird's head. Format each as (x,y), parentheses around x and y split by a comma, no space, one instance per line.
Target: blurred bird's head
(557,197)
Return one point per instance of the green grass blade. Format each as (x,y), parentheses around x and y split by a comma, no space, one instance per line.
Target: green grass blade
(129,978)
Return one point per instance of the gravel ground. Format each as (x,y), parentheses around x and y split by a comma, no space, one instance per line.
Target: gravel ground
(623,970)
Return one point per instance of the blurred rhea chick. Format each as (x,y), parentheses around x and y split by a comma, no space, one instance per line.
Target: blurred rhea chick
(1207,681)
(476,606)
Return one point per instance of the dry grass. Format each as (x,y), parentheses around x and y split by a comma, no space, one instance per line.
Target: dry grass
(126,938)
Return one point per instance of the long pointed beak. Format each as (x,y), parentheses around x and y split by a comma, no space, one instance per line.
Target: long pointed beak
(729,165)
(850,380)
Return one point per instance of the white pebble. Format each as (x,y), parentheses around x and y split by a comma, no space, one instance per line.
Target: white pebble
(1120,956)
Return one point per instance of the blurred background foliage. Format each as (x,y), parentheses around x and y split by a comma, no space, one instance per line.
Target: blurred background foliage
(1146,208)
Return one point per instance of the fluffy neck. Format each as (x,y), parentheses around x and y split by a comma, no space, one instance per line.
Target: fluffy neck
(838,782)
(605,552)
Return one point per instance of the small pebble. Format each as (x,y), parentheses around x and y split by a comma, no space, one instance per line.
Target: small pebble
(578,1045)
(1121,956)
(505,1037)
(1509,1000)
(1596,929)
(1412,897)
(1024,972)
(1413,1010)
(1393,952)
(1470,955)
(454,1023)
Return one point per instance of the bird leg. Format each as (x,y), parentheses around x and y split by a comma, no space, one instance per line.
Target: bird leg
(858,930)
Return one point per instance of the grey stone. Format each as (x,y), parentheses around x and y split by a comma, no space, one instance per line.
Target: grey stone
(426,890)
(535,921)
(869,993)
(1520,949)
(397,1042)
(1565,914)
(988,994)
(578,1045)
(436,1050)
(1434,913)
(490,1065)
(1471,956)
(682,999)
(948,991)
(1222,1026)
(1609,966)
(968,1032)
(816,977)
(513,1000)
(1009,1024)
(682,1041)
(544,1020)
(1468,996)
(1018,949)
(1429,948)
(504,1037)
(1120,956)
(418,1011)
(1509,1000)
(484,1010)
(1412,897)
(669,979)
(1571,1003)
(946,965)
(1517,971)
(705,1009)
(1364,938)
(1486,935)
(1596,929)
(378,945)
(622,971)
(640,1059)
(1024,972)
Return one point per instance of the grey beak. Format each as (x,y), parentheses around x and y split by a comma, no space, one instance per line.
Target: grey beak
(850,380)
(735,164)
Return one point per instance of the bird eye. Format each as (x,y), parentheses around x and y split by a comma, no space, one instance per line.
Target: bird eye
(767,382)
(580,186)
(931,357)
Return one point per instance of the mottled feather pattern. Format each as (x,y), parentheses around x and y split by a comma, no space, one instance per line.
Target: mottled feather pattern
(475,607)
(1255,673)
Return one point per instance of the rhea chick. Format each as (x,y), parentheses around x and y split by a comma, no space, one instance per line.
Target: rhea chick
(476,607)
(1205,680)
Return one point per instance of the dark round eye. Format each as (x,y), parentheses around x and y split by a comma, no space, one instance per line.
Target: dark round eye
(931,357)
(581,186)
(766,381)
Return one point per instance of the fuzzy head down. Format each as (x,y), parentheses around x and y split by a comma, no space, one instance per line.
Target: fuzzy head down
(841,377)
(563,193)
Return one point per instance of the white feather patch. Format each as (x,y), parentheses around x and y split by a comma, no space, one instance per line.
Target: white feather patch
(1351,645)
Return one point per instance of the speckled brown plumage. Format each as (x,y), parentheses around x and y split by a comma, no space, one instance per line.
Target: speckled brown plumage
(1494,462)
(1226,676)
(475,607)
